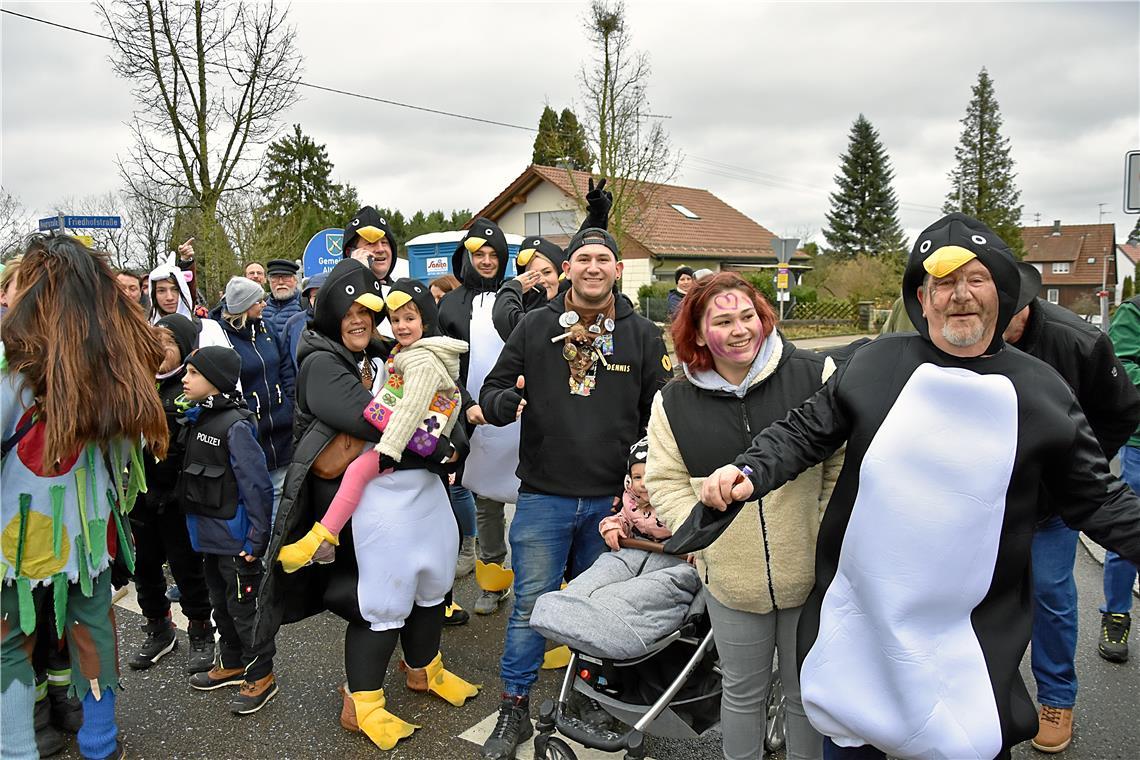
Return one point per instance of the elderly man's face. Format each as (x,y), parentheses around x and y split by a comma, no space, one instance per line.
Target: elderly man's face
(255,272)
(961,309)
(282,286)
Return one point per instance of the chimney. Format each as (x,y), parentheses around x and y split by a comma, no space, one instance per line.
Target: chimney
(1056,227)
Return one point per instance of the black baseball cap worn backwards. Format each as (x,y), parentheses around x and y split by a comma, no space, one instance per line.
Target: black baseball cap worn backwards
(948,244)
(592,236)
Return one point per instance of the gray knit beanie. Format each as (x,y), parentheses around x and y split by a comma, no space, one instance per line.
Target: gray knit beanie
(242,293)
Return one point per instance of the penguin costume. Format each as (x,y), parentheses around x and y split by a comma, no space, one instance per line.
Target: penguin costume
(511,303)
(369,225)
(911,638)
(466,314)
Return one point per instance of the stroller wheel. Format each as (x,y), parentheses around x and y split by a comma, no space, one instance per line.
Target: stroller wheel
(775,716)
(555,749)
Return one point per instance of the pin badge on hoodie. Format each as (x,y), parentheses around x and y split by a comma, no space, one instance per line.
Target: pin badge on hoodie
(568,319)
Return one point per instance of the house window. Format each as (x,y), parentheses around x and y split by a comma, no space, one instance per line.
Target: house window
(1060,267)
(1053,295)
(683,211)
(551,223)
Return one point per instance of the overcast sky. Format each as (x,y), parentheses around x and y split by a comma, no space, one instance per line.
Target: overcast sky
(769,88)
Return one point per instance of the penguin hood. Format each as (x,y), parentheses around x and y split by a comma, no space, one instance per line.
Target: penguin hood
(540,246)
(349,282)
(407,291)
(368,224)
(169,271)
(946,245)
(482,232)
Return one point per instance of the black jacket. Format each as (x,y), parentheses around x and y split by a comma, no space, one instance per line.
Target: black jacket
(162,475)
(925,430)
(1084,357)
(576,445)
(511,304)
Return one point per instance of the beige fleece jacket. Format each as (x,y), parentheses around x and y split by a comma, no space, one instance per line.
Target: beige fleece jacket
(428,366)
(736,566)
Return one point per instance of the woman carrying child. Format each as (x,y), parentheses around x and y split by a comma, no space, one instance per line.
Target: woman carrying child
(740,376)
(404,539)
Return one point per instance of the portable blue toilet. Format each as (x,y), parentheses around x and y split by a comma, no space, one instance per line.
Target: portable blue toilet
(429,255)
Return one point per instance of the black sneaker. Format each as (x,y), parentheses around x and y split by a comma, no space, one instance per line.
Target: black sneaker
(589,711)
(254,695)
(512,729)
(201,635)
(160,641)
(455,615)
(1114,627)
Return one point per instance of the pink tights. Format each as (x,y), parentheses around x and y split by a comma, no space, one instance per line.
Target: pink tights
(359,474)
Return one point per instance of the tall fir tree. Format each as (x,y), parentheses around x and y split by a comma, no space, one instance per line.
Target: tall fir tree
(982,181)
(1134,236)
(864,210)
(298,173)
(575,144)
(548,142)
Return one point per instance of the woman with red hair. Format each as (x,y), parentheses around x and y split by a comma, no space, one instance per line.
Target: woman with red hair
(740,376)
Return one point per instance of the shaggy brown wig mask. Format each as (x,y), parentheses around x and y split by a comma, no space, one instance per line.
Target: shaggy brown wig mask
(85,350)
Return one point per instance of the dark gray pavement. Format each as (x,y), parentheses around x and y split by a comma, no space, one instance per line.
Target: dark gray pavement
(161,717)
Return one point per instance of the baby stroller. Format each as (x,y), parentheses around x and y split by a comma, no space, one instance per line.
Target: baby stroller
(673,691)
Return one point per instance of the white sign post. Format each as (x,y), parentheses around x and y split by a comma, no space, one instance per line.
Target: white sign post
(785,248)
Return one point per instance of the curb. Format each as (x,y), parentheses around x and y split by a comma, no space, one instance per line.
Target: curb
(1096,551)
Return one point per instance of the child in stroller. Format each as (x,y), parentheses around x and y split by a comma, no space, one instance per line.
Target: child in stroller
(642,649)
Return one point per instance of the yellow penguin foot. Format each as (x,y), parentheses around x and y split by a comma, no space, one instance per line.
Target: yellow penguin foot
(296,555)
(493,576)
(557,658)
(440,681)
(379,725)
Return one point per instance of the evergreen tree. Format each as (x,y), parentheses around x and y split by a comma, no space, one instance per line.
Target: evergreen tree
(575,144)
(1134,236)
(299,173)
(548,142)
(982,181)
(864,211)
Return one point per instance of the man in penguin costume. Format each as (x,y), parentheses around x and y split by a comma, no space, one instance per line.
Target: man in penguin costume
(921,611)
(368,238)
(480,262)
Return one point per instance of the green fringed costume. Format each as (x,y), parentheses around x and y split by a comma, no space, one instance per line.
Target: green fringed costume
(58,536)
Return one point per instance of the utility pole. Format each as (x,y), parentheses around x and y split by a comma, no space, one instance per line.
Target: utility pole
(1100,212)
(1037,219)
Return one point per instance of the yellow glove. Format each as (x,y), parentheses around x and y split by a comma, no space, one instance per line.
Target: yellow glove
(296,555)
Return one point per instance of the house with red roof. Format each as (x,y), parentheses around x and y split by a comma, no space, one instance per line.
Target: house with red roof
(1075,260)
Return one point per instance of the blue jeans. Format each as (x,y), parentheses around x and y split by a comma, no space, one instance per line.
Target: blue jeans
(463,505)
(1119,573)
(1054,651)
(547,533)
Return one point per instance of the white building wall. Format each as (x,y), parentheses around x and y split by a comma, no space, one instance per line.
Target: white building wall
(1124,268)
(637,272)
(544,197)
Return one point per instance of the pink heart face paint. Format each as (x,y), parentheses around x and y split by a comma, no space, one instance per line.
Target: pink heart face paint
(732,330)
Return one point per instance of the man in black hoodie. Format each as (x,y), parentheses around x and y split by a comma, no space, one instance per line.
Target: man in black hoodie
(589,367)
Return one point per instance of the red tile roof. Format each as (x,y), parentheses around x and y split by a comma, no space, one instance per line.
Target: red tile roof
(1076,244)
(720,232)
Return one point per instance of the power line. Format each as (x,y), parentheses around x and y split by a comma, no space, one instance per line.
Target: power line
(298,82)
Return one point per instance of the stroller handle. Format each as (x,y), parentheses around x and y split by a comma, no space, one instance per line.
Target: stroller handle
(641,543)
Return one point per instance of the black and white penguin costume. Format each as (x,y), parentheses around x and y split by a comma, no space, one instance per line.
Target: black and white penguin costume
(466,313)
(404,531)
(368,224)
(921,611)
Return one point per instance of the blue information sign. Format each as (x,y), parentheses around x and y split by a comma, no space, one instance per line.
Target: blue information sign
(324,251)
(82,222)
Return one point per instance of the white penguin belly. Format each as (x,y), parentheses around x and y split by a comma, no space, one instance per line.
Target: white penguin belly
(897,662)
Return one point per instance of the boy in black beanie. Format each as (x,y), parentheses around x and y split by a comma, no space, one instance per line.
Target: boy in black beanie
(159,528)
(227,497)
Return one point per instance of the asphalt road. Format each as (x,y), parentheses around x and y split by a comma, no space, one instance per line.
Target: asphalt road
(161,717)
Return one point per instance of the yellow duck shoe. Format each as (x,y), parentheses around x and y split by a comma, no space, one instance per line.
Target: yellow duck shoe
(440,681)
(296,555)
(493,576)
(557,658)
(379,725)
